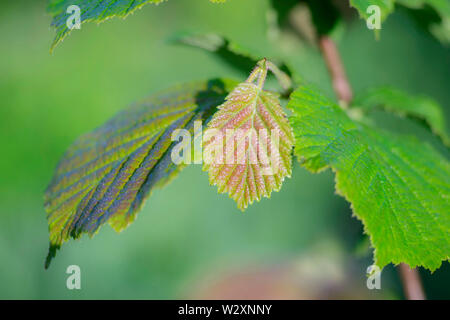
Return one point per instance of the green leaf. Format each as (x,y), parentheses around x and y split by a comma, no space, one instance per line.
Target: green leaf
(229,51)
(92,10)
(324,13)
(242,154)
(107,174)
(441,6)
(325,16)
(386,7)
(398,186)
(403,104)
(440,29)
(307,19)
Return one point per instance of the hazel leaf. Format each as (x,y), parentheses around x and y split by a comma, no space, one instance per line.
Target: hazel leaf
(248,143)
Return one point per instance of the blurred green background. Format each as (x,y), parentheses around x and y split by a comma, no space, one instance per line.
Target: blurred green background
(187,236)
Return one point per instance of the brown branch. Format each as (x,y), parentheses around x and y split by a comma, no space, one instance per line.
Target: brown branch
(412,286)
(335,67)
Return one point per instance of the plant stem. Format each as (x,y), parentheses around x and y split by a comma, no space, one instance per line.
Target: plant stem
(412,286)
(335,67)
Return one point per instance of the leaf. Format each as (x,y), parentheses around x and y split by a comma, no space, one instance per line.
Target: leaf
(386,7)
(441,28)
(324,13)
(107,174)
(403,104)
(92,10)
(398,186)
(242,155)
(230,52)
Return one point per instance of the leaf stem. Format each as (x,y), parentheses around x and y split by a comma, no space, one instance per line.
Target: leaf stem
(336,69)
(412,286)
(263,74)
(260,73)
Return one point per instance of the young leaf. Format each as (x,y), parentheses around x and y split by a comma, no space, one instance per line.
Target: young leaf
(248,153)
(107,174)
(324,13)
(398,186)
(403,104)
(92,10)
(325,16)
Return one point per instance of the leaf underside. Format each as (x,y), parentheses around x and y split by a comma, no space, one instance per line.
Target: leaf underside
(106,174)
(398,186)
(246,111)
(91,11)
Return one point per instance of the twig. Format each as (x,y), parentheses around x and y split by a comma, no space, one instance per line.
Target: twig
(412,286)
(335,67)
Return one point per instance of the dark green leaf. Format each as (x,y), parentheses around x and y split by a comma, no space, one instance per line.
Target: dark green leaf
(324,15)
(228,51)
(231,53)
(386,7)
(441,6)
(440,29)
(92,10)
(107,174)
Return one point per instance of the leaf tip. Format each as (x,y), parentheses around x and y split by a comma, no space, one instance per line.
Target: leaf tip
(53,248)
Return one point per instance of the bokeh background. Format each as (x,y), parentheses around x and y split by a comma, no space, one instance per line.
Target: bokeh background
(188,241)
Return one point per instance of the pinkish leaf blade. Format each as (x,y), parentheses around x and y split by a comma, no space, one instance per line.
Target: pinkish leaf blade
(247,145)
